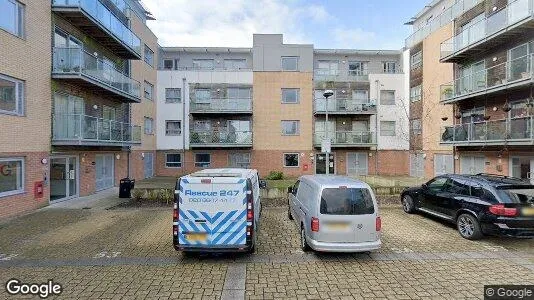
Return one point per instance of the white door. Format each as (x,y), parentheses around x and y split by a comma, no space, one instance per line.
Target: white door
(472,164)
(357,163)
(149,165)
(531,173)
(104,166)
(443,164)
(417,164)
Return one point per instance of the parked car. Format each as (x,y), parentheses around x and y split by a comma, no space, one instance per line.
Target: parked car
(335,213)
(482,204)
(217,210)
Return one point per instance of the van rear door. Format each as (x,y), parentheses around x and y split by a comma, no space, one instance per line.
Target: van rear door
(347,215)
(212,211)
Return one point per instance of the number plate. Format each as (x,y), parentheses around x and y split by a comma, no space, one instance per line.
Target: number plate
(337,226)
(196,237)
(528,211)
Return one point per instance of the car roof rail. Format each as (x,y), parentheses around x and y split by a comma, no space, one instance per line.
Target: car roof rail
(499,176)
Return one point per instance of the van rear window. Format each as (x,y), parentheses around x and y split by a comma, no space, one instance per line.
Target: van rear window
(351,201)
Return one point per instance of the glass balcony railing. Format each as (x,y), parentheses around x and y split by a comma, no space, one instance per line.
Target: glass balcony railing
(363,106)
(220,138)
(340,75)
(78,61)
(515,129)
(80,129)
(515,12)
(345,137)
(105,18)
(221,105)
(513,71)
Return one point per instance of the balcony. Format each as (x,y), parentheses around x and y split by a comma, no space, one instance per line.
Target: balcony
(83,69)
(221,106)
(345,107)
(516,131)
(97,21)
(514,20)
(341,75)
(505,77)
(221,139)
(83,130)
(342,139)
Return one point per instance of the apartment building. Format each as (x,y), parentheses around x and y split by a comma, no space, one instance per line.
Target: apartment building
(262,107)
(73,103)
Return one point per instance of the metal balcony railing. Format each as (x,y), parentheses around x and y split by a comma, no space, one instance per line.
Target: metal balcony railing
(77,129)
(512,14)
(106,19)
(502,75)
(228,105)
(336,105)
(498,131)
(221,138)
(348,138)
(79,62)
(340,75)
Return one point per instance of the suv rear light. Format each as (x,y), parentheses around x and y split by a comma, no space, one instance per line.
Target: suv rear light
(500,210)
(378,224)
(315,224)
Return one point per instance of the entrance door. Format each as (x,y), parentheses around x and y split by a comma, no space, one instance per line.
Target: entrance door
(104,171)
(443,164)
(63,178)
(320,163)
(472,164)
(149,165)
(357,163)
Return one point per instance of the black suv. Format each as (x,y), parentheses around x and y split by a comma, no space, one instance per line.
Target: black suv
(478,204)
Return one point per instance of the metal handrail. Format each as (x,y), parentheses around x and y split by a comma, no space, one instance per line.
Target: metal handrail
(225,137)
(346,137)
(509,129)
(221,104)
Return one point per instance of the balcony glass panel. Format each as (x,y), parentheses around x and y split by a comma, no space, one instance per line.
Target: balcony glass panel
(345,137)
(516,129)
(342,75)
(345,105)
(221,137)
(221,105)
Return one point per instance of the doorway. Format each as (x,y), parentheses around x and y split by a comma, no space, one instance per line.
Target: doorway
(63,178)
(320,163)
(149,165)
(357,163)
(522,167)
(104,164)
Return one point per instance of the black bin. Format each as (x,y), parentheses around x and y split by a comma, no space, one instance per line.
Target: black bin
(125,187)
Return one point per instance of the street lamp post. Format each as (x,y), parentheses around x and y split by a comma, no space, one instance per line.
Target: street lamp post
(327,94)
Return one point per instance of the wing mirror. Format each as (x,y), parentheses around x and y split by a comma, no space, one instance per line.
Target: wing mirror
(263,184)
(424,185)
(290,190)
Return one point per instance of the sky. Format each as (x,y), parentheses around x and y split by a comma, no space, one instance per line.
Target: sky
(358,24)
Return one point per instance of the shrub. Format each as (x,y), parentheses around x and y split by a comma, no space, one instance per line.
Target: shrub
(166,196)
(138,194)
(275,175)
(152,195)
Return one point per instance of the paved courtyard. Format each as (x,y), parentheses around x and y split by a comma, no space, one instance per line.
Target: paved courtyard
(127,253)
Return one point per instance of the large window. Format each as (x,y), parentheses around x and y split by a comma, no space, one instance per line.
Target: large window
(11,95)
(387,97)
(11,176)
(416,126)
(357,68)
(149,90)
(390,67)
(291,160)
(235,64)
(173,95)
(202,160)
(203,64)
(415,93)
(149,56)
(12,17)
(168,64)
(416,60)
(290,127)
(173,160)
(290,63)
(387,128)
(173,127)
(290,95)
(149,122)
(239,160)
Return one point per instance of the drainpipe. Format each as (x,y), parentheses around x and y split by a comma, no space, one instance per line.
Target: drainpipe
(376,124)
(184,121)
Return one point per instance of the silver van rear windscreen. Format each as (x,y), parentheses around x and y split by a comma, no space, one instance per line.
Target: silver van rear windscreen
(346,201)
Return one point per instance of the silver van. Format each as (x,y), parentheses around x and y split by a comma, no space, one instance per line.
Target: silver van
(335,213)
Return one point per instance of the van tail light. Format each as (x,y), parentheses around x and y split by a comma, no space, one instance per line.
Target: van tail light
(315,224)
(500,210)
(378,224)
(175,219)
(250,212)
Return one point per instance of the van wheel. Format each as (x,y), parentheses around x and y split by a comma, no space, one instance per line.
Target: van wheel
(407,204)
(303,244)
(289,215)
(468,227)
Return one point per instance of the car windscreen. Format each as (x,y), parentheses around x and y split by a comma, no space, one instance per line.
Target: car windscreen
(346,201)
(516,194)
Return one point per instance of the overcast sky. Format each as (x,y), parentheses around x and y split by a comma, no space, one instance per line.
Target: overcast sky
(361,24)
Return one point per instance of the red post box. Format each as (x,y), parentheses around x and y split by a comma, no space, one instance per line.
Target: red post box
(38,189)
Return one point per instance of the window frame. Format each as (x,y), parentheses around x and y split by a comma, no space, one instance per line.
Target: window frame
(167,129)
(151,98)
(203,59)
(289,57)
(175,100)
(386,131)
(20,20)
(290,89)
(151,125)
(388,103)
(239,153)
(416,60)
(297,133)
(415,97)
(22,188)
(150,61)
(172,64)
(167,160)
(291,153)
(416,131)
(197,162)
(20,91)
(386,65)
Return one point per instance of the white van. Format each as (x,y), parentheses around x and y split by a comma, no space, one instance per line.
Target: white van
(335,213)
(217,210)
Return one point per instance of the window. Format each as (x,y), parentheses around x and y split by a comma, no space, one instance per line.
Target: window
(173,160)
(149,56)
(168,64)
(416,126)
(12,17)
(290,95)
(416,60)
(11,176)
(173,127)
(109,113)
(202,96)
(437,184)
(458,187)
(351,201)
(149,90)
(415,93)
(202,160)
(11,95)
(387,128)
(295,188)
(390,67)
(235,64)
(239,160)
(203,64)
(173,95)
(291,160)
(290,63)
(327,67)
(148,125)
(387,97)
(357,68)
(239,93)
(290,127)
